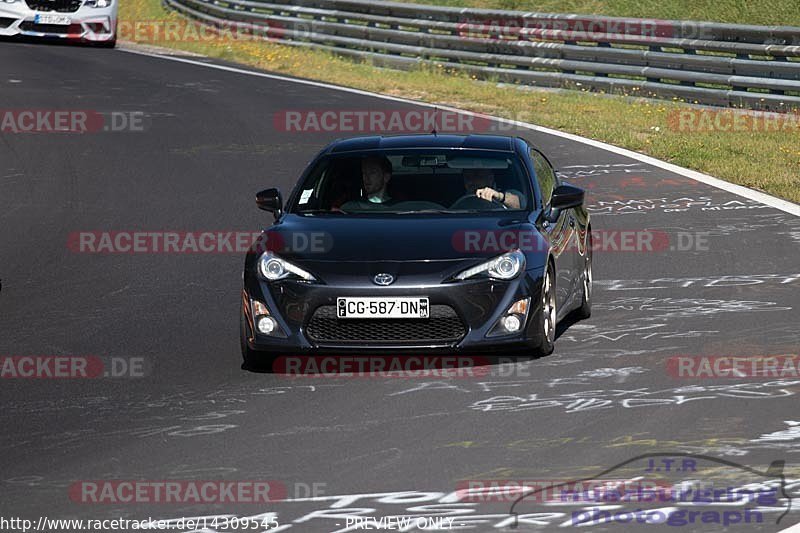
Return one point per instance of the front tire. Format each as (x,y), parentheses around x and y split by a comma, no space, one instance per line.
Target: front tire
(546,317)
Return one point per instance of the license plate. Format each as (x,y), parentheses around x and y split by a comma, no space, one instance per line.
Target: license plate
(59,20)
(405,307)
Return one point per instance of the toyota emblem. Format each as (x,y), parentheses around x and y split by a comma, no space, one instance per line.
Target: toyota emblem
(383,279)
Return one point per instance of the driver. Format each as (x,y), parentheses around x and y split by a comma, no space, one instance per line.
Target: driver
(376,173)
(480,182)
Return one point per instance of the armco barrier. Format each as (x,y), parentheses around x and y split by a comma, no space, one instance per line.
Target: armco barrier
(737,65)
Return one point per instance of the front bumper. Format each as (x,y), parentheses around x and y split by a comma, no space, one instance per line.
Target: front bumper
(87,24)
(468,312)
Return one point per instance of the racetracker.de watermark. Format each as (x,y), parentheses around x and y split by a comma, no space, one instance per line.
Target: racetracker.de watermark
(582,29)
(732,121)
(177,492)
(71,367)
(70,121)
(730,366)
(197,242)
(559,490)
(160,31)
(383,121)
(611,240)
(382,366)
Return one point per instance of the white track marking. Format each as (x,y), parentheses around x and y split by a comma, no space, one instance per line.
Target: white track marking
(766,199)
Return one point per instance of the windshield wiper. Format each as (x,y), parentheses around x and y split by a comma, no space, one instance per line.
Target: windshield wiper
(323,212)
(434,211)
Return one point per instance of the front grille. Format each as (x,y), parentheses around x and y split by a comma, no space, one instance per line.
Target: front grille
(443,327)
(60,6)
(72,29)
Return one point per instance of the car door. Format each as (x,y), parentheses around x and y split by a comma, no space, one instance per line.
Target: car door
(560,229)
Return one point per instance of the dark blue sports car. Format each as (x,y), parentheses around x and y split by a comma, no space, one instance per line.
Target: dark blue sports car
(423,243)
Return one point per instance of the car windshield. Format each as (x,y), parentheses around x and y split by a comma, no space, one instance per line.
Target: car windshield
(414,182)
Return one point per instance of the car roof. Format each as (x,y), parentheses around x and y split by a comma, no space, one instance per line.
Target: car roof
(378,142)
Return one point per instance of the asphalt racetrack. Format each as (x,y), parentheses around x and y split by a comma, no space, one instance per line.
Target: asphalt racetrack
(722,279)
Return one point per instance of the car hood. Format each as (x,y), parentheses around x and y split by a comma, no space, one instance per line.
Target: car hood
(401,238)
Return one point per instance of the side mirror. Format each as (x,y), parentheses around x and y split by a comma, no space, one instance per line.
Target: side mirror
(270,200)
(567,196)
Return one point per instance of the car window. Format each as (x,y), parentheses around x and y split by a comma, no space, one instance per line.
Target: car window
(439,181)
(544,175)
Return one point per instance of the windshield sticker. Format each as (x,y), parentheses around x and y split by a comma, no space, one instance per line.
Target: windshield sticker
(305,196)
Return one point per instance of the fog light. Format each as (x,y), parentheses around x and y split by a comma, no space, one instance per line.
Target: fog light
(97,27)
(266,325)
(511,323)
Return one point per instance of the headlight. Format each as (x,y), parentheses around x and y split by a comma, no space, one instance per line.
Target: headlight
(99,3)
(506,266)
(273,268)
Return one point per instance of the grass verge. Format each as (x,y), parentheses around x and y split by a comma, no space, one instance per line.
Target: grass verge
(764,160)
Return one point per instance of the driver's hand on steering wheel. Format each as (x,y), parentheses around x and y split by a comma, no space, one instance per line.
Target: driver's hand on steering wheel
(489,194)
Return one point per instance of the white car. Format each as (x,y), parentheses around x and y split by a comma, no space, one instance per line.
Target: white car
(92,21)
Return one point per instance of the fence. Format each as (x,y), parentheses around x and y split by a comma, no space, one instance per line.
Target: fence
(709,63)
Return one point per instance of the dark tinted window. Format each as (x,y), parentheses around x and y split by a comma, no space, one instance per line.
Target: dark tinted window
(442,181)
(544,175)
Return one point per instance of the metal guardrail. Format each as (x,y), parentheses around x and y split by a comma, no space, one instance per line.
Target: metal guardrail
(756,67)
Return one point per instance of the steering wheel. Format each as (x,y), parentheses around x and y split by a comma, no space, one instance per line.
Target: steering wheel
(470,201)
